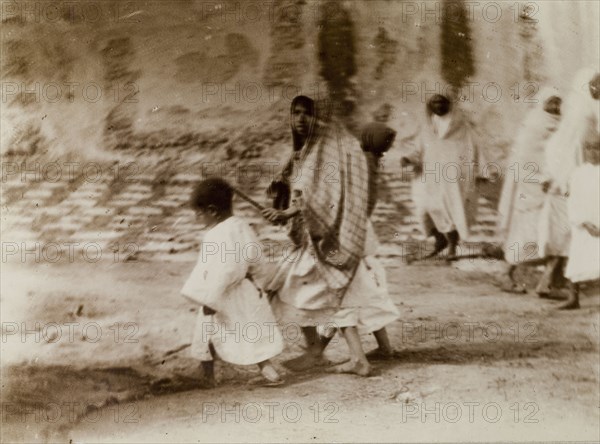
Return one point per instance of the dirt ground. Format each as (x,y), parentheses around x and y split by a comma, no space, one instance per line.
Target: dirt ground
(473,364)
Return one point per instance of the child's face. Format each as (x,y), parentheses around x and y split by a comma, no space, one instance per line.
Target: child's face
(207,217)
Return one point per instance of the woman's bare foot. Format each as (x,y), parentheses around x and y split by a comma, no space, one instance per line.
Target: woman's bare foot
(356,368)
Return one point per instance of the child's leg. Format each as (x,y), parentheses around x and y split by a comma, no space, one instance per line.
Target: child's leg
(208,368)
(358,363)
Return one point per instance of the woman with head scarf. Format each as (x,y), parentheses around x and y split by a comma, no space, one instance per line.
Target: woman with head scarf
(564,153)
(523,195)
(375,140)
(328,178)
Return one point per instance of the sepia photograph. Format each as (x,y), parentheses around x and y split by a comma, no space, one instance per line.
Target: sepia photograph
(300,221)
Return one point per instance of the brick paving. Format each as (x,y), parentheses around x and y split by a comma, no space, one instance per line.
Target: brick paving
(156,218)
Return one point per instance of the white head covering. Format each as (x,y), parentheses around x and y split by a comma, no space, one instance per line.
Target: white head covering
(580,111)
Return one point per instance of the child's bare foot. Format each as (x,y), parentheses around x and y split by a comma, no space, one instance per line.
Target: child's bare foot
(380,354)
(357,368)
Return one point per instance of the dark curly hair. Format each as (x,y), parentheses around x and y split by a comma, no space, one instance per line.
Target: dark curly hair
(214,191)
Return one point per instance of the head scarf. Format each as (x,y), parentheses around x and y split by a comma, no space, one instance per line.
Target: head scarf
(580,118)
(377,138)
(309,104)
(335,196)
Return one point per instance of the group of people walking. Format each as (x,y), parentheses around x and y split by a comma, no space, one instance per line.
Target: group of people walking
(326,194)
(550,210)
(549,205)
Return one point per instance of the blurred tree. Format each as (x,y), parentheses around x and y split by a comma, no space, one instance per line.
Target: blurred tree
(457,52)
(336,51)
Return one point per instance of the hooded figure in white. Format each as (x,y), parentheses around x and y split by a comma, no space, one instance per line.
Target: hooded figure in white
(523,194)
(564,153)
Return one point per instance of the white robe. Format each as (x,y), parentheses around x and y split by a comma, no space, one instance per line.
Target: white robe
(584,206)
(243,331)
(445,193)
(564,152)
(522,196)
(367,304)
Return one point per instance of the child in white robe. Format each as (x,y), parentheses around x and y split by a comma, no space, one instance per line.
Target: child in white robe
(584,217)
(235,319)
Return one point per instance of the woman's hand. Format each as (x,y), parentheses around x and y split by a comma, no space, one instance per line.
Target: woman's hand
(278,216)
(591,228)
(271,214)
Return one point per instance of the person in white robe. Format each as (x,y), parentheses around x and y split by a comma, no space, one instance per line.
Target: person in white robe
(523,194)
(584,215)
(235,319)
(564,152)
(447,161)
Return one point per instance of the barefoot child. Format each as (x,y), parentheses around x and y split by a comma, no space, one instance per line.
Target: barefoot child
(584,216)
(235,319)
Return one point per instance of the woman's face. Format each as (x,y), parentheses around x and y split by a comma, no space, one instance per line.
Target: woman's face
(301,119)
